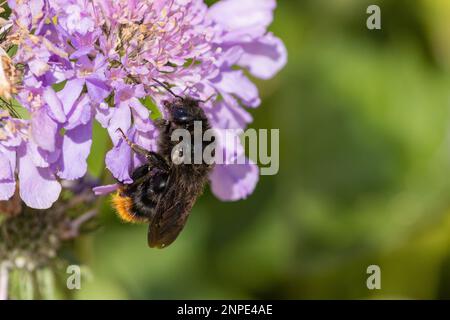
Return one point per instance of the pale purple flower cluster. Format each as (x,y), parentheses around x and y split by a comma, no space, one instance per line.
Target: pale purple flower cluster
(87,60)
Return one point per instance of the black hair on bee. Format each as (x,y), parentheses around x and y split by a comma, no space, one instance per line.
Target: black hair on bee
(163,193)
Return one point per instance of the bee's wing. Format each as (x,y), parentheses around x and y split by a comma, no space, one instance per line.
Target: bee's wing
(171,213)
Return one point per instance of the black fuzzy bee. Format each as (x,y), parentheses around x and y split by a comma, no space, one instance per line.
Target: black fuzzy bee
(163,192)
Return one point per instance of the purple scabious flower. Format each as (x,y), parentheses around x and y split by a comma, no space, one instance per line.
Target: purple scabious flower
(37,183)
(94,60)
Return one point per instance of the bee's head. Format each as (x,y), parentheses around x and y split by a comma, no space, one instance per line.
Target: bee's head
(184,111)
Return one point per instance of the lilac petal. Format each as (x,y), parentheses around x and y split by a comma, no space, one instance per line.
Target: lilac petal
(158,5)
(75,151)
(124,93)
(141,117)
(81,114)
(235,82)
(264,57)
(37,155)
(31,81)
(231,182)
(139,110)
(43,130)
(7,189)
(70,93)
(120,119)
(145,139)
(102,190)
(10,156)
(55,105)
(100,66)
(230,57)
(251,17)
(227,114)
(97,89)
(38,186)
(6,171)
(82,51)
(118,161)
(38,67)
(36,8)
(42,158)
(103,114)
(228,145)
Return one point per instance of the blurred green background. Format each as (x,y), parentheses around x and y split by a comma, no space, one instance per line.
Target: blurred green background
(365,152)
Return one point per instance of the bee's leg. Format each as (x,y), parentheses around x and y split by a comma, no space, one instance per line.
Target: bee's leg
(154,159)
(136,148)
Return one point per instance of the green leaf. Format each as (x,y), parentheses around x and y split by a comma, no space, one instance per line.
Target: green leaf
(100,145)
(150,105)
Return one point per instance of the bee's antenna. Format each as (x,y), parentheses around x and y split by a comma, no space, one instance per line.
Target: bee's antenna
(168,89)
(133,146)
(205,101)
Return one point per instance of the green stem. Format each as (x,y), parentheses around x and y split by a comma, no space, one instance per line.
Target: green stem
(36,286)
(4,279)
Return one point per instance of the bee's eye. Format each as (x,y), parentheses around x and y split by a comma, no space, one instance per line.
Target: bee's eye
(180,115)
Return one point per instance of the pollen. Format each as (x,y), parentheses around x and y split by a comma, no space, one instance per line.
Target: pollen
(124,208)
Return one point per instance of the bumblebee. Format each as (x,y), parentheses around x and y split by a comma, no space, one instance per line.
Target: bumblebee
(163,192)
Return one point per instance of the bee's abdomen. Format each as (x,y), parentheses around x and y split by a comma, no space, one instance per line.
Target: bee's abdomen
(144,209)
(125,208)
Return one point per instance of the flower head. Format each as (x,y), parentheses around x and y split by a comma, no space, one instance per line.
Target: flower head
(86,61)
